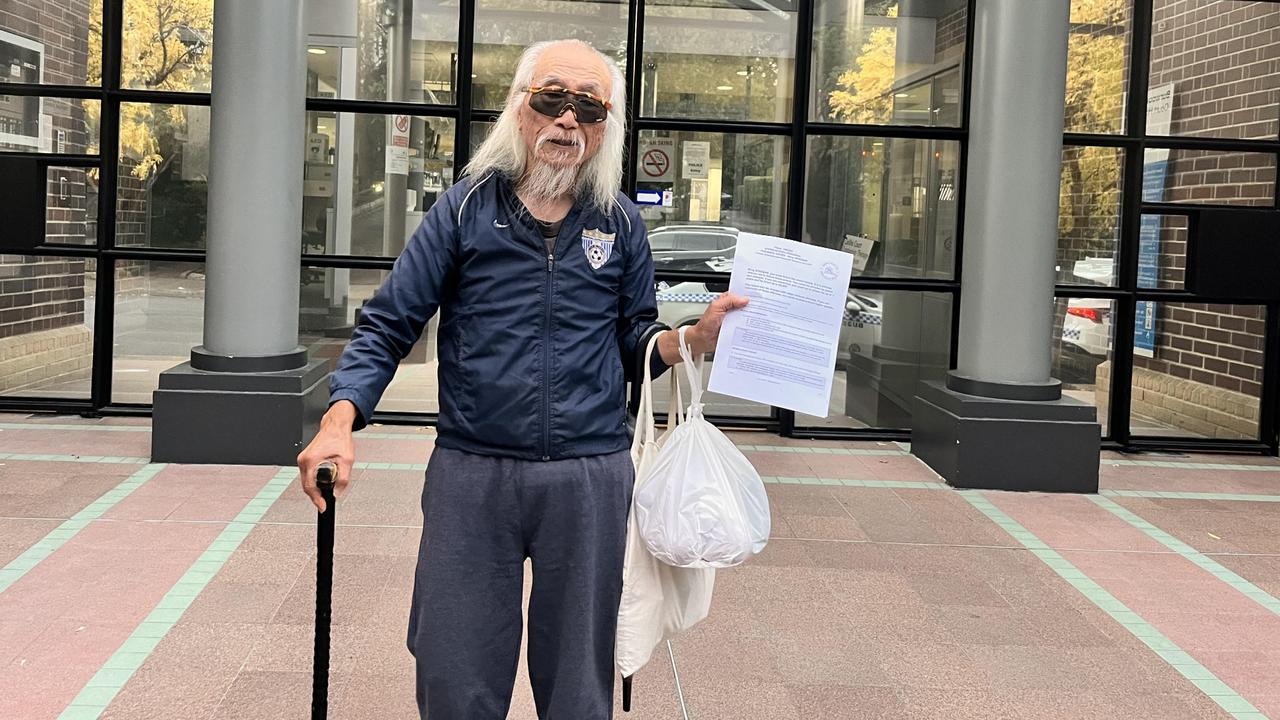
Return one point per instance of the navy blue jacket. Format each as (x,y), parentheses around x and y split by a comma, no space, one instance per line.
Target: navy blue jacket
(534,348)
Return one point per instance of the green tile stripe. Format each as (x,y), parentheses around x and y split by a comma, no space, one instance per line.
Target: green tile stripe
(1208,564)
(59,536)
(70,426)
(804,450)
(844,482)
(390,466)
(112,459)
(1200,676)
(421,435)
(1193,465)
(1244,497)
(103,687)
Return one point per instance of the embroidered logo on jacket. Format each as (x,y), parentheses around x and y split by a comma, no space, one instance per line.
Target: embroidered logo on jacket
(598,247)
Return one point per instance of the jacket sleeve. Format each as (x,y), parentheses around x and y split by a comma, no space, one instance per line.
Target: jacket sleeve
(637,304)
(393,319)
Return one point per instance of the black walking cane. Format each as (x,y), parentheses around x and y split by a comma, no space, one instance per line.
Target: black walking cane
(326,475)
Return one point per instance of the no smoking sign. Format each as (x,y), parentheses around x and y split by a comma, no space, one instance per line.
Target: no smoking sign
(655,160)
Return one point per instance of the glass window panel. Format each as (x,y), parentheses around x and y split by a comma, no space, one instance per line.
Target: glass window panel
(719,60)
(1208,177)
(1198,372)
(162,192)
(1213,69)
(719,184)
(56,43)
(504,28)
(891,202)
(329,304)
(888,62)
(1082,344)
(46,326)
(49,125)
(159,317)
(890,342)
(682,303)
(480,130)
(354,162)
(167,45)
(396,50)
(1089,215)
(1097,65)
(1162,252)
(71,206)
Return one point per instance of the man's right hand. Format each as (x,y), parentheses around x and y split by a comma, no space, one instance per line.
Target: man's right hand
(333,443)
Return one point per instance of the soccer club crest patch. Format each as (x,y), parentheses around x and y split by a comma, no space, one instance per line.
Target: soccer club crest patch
(598,247)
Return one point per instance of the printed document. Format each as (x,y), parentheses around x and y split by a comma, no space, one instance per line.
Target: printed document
(781,348)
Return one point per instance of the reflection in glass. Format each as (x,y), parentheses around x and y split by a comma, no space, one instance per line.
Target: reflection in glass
(1209,177)
(1082,343)
(1097,65)
(330,300)
(890,202)
(46,326)
(162,192)
(717,182)
(888,62)
(1089,215)
(355,163)
(890,342)
(395,50)
(1218,80)
(718,60)
(504,28)
(682,303)
(1162,252)
(1197,372)
(49,125)
(71,206)
(50,42)
(166,46)
(159,317)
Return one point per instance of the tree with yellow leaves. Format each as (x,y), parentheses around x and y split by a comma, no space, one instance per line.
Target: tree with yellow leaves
(166,45)
(866,96)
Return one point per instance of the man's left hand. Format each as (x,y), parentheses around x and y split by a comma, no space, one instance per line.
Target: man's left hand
(703,336)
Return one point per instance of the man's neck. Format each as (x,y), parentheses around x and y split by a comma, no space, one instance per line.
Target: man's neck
(547,209)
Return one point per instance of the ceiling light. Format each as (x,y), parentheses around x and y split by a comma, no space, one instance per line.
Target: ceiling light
(724,87)
(317,51)
(902,95)
(743,73)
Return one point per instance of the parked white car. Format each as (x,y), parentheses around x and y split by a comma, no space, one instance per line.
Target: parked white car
(1086,328)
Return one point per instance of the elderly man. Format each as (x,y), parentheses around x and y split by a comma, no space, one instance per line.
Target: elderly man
(542,275)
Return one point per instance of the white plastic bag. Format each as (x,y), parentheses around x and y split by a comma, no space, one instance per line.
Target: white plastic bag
(701,503)
(658,601)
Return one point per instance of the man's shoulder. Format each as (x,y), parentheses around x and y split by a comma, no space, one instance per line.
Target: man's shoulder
(467,194)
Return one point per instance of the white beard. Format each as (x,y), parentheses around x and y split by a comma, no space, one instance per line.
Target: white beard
(545,181)
(549,182)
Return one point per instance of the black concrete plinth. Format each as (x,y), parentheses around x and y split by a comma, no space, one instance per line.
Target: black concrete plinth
(881,392)
(982,443)
(237,418)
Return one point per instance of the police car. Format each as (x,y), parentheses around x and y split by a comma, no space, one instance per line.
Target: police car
(683,303)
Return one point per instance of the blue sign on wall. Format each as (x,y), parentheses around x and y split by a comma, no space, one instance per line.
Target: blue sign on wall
(1154,170)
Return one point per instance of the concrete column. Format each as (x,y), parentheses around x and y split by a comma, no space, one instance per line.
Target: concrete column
(1011,216)
(1000,421)
(249,395)
(256,143)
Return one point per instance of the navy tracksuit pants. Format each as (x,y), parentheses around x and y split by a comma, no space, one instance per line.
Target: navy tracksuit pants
(482,516)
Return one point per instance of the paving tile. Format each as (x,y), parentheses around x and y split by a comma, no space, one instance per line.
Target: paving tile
(847,703)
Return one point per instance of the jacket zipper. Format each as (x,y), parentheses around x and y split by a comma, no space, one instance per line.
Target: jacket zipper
(546,363)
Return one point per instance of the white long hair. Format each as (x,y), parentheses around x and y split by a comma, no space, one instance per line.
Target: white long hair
(504,152)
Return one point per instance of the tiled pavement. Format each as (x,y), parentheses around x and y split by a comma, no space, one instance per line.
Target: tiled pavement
(130,590)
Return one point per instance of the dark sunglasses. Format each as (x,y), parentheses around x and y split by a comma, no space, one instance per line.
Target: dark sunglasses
(553,100)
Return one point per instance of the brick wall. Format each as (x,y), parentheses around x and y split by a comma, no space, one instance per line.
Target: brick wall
(1223,59)
(950,32)
(43,336)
